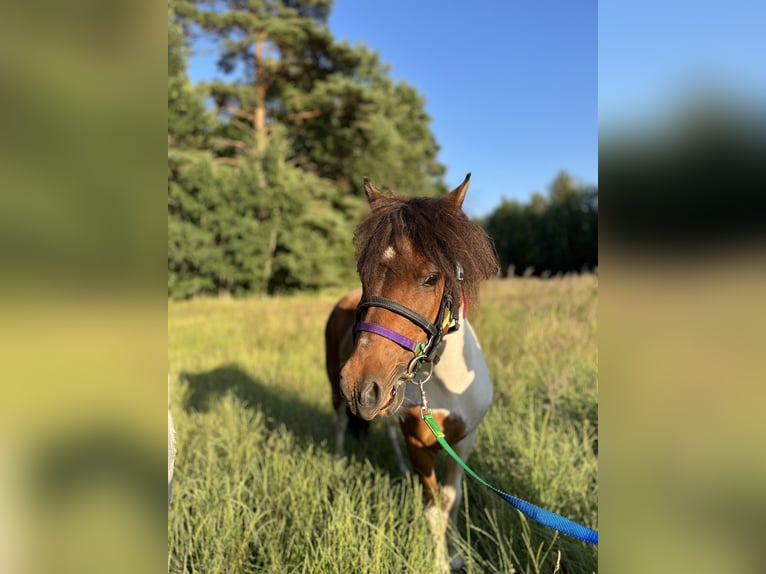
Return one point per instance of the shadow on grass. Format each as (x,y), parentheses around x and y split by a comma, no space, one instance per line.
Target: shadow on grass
(308,423)
(304,420)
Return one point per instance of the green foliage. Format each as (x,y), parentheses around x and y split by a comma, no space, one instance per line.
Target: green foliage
(264,189)
(555,234)
(263,226)
(258,487)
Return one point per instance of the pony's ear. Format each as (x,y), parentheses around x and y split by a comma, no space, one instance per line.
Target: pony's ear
(455,197)
(373,193)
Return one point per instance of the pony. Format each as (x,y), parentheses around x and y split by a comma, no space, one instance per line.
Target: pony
(420,261)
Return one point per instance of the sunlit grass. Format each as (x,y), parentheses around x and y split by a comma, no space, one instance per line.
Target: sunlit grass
(258,487)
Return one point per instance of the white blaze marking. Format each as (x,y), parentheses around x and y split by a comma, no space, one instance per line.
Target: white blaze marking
(389,253)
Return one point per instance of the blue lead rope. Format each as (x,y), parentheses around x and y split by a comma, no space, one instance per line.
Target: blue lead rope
(544,517)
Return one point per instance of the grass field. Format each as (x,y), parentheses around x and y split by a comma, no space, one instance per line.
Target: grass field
(258,487)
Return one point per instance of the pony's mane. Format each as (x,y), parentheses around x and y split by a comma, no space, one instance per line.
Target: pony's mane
(440,233)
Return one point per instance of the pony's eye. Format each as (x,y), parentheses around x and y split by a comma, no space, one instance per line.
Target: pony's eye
(430,280)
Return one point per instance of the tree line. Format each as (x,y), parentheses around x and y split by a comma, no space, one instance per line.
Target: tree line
(553,234)
(264,169)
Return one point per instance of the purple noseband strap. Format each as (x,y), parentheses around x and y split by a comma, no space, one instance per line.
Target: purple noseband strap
(401,340)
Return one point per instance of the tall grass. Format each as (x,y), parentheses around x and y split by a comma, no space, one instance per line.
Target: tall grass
(258,487)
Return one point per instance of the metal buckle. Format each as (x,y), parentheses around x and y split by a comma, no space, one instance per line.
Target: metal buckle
(423,400)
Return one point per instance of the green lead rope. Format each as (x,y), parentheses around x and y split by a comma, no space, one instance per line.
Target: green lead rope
(544,517)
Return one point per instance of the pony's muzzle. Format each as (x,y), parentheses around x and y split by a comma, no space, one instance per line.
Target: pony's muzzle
(368,398)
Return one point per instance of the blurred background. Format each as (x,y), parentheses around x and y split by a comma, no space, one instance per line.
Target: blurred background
(682,150)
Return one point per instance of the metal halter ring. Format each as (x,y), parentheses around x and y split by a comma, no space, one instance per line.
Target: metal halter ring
(412,369)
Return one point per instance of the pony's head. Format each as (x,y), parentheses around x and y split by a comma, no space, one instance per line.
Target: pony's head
(418,259)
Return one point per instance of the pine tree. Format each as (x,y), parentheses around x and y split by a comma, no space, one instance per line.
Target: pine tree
(344,118)
(264,188)
(194,256)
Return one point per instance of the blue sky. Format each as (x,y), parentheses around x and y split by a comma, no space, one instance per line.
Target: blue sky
(655,56)
(511,86)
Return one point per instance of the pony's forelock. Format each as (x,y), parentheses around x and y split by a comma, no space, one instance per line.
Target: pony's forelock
(443,235)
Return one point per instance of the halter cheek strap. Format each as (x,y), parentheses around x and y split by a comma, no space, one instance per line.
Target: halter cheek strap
(425,350)
(431,330)
(413,316)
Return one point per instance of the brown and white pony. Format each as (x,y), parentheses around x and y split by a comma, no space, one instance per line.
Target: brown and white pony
(420,262)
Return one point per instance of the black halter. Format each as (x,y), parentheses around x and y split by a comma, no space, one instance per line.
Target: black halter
(429,350)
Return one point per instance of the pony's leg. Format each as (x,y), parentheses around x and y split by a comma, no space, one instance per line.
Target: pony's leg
(452,491)
(422,459)
(394,439)
(341,423)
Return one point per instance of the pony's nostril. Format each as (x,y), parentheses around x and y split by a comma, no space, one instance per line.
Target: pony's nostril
(370,393)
